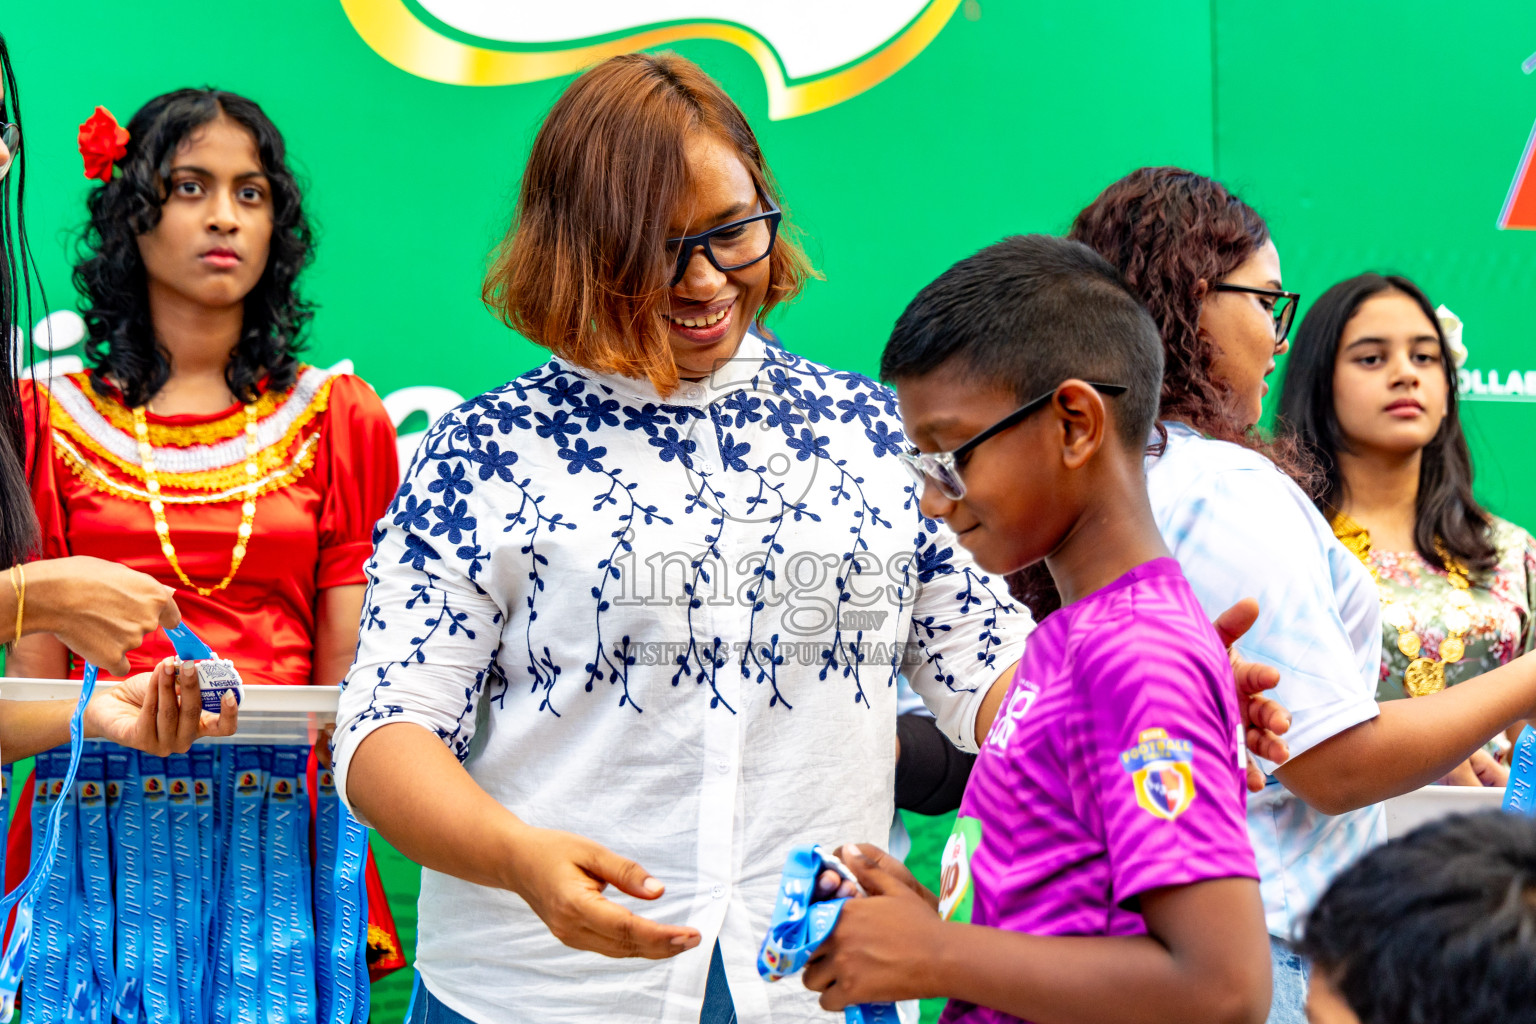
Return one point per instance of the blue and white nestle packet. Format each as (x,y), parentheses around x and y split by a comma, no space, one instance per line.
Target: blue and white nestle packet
(216,676)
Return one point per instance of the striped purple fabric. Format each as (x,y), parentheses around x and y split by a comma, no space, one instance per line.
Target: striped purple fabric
(1114,767)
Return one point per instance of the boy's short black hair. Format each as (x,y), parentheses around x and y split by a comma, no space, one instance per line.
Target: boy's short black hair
(1436,926)
(1026,314)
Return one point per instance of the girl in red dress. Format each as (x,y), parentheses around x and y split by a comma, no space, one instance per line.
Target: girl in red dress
(199,449)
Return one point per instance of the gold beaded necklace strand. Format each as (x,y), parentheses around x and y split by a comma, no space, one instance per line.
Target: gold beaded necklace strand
(157,507)
(1424,675)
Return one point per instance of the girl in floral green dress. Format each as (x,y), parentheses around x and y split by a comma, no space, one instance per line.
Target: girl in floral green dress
(1369,392)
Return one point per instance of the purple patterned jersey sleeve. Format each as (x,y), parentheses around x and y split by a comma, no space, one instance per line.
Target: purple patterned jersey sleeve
(1161,743)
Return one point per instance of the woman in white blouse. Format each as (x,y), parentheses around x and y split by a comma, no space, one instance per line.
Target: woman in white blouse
(652,596)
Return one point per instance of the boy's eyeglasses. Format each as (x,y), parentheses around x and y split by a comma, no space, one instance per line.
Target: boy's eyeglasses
(943,468)
(10,136)
(1284,309)
(730,246)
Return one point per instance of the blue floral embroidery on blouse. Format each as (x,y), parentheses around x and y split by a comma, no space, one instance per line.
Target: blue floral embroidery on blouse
(554,424)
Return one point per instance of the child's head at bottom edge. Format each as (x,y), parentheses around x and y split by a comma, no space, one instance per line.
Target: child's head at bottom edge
(1028,377)
(1435,927)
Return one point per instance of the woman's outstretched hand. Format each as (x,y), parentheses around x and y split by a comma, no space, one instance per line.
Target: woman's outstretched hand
(159,712)
(1264,719)
(562,877)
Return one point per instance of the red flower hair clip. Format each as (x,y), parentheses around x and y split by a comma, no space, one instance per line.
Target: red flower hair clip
(103,142)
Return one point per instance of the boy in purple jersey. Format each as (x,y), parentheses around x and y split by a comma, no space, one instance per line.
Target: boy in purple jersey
(1100,868)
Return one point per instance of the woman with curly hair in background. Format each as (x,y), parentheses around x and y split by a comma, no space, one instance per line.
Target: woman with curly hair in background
(1232,512)
(198,448)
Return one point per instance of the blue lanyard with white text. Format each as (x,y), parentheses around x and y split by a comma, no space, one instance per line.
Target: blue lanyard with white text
(96,879)
(128,851)
(14,959)
(185,879)
(47,975)
(1520,792)
(202,795)
(341,901)
(247,889)
(162,1003)
(327,836)
(799,926)
(290,989)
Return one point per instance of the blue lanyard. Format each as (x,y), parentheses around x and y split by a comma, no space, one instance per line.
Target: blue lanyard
(1520,793)
(344,920)
(162,1002)
(14,959)
(185,878)
(327,836)
(52,912)
(127,1001)
(799,926)
(96,881)
(290,990)
(247,890)
(202,795)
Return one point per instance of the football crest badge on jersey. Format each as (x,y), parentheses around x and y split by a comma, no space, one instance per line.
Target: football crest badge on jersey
(1163,771)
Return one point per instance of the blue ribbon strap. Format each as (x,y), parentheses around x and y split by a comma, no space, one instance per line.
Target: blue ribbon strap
(798,927)
(15,956)
(1520,793)
(96,877)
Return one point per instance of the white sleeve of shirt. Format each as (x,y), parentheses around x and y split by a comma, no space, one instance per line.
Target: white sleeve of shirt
(428,642)
(966,631)
(1250,532)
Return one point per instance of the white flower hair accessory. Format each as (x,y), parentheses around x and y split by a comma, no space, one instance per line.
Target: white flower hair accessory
(1450,326)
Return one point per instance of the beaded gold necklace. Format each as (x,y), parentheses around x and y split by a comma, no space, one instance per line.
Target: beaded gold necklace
(1424,675)
(157,506)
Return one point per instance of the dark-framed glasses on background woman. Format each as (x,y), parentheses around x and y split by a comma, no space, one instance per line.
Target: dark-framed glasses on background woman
(1281,305)
(730,246)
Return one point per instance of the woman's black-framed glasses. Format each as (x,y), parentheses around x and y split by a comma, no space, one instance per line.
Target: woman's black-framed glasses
(10,136)
(943,468)
(729,246)
(1284,309)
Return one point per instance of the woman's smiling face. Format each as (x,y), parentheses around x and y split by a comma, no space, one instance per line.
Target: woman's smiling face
(708,310)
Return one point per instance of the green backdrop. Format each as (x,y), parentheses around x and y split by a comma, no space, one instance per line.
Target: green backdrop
(1371,136)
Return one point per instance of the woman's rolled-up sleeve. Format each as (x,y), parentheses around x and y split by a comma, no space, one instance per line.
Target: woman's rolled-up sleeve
(430,631)
(966,630)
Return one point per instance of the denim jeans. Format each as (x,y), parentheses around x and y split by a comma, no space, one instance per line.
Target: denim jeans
(426,1008)
(1289,1005)
(718,1007)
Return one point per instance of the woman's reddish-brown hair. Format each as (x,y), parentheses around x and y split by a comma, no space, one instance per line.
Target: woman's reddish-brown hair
(583,269)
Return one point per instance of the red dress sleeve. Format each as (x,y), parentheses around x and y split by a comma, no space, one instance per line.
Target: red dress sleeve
(43,472)
(361,473)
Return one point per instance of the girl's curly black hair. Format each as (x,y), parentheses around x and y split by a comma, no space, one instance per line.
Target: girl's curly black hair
(121,343)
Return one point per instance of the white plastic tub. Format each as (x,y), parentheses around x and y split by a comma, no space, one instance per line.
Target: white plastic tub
(268,714)
(1407,812)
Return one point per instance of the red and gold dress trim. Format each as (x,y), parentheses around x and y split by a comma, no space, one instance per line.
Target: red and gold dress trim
(196,464)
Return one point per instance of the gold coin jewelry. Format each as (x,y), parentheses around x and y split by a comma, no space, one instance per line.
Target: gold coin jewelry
(1424,675)
(157,506)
